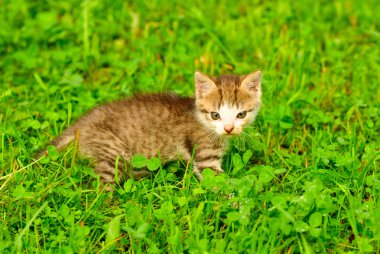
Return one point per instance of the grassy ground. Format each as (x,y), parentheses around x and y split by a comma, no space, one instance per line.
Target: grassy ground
(305,178)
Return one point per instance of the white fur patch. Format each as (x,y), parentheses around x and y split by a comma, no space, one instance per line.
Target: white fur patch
(228,117)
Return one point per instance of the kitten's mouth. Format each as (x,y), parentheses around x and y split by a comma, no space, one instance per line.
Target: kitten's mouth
(229,134)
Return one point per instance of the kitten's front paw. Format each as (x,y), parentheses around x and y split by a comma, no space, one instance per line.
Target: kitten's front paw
(218,171)
(139,174)
(198,174)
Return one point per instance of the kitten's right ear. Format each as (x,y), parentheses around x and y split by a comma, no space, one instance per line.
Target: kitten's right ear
(203,84)
(252,82)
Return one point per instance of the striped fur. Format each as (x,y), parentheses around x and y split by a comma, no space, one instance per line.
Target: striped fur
(167,125)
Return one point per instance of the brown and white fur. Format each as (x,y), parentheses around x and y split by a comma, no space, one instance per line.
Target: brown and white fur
(167,126)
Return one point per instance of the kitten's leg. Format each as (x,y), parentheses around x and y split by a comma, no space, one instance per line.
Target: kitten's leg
(206,156)
(128,170)
(106,172)
(213,164)
(197,172)
(139,174)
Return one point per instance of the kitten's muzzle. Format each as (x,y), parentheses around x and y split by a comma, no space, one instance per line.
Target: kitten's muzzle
(228,128)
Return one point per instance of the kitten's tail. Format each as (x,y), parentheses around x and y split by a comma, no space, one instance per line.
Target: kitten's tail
(68,136)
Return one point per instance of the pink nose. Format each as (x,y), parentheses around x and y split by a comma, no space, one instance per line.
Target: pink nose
(228,128)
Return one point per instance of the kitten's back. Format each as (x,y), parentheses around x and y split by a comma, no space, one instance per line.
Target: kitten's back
(145,123)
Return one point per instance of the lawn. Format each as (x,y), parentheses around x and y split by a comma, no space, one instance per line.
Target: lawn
(305,178)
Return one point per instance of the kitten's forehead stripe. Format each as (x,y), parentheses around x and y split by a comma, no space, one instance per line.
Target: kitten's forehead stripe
(235,97)
(228,86)
(220,90)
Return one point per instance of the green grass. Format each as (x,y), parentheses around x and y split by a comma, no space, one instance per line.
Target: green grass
(304,179)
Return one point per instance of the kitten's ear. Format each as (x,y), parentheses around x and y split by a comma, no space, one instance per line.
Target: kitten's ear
(252,82)
(203,84)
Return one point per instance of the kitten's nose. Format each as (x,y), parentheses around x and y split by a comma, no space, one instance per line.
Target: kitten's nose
(228,128)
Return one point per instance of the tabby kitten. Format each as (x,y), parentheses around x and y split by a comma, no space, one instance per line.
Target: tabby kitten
(167,126)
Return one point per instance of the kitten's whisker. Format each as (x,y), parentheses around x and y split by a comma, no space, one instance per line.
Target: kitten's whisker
(245,137)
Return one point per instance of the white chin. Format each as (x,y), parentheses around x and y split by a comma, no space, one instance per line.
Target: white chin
(228,134)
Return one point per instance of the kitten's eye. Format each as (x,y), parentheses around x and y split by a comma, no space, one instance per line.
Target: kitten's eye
(241,115)
(215,115)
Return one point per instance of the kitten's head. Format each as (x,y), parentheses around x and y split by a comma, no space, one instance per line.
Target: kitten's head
(228,103)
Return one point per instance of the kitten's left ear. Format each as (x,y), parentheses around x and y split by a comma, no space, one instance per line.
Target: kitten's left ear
(252,82)
(203,84)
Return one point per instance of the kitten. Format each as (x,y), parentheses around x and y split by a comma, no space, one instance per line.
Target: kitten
(167,126)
